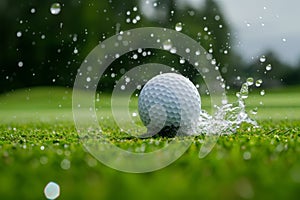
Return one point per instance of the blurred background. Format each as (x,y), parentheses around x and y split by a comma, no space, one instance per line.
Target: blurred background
(43,43)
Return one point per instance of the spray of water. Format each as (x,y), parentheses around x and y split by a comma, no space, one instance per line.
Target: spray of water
(228,117)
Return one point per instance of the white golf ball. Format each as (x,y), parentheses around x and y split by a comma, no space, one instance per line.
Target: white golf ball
(169,102)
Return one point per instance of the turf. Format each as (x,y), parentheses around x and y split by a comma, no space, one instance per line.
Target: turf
(39,143)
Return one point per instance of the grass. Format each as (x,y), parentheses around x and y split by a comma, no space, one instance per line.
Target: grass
(39,143)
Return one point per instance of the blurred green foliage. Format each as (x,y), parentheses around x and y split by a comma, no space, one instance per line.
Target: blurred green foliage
(52,47)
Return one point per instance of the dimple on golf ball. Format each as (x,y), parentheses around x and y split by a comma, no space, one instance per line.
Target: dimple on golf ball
(169,101)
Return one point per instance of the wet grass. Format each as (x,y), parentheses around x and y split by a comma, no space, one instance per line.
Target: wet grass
(39,143)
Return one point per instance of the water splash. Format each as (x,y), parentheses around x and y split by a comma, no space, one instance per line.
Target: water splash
(227,118)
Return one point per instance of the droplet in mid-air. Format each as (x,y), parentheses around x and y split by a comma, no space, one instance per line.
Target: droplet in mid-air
(20,64)
(167,45)
(217,17)
(65,164)
(262,93)
(182,61)
(244,92)
(32,10)
(178,26)
(55,8)
(258,83)
(19,34)
(52,190)
(254,111)
(75,51)
(262,59)
(250,81)
(173,50)
(269,67)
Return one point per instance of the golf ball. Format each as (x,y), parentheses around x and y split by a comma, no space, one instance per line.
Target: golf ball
(169,101)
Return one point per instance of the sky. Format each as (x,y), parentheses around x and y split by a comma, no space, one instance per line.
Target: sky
(260,25)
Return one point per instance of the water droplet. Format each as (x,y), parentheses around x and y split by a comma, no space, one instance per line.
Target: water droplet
(262,59)
(182,61)
(269,67)
(247,155)
(74,37)
(52,190)
(55,8)
(19,34)
(134,114)
(258,83)
(135,56)
(43,160)
(262,93)
(217,17)
(250,81)
(88,79)
(20,64)
(173,50)
(244,92)
(127,79)
(75,51)
(32,10)
(283,40)
(178,26)
(254,111)
(65,164)
(167,45)
(123,87)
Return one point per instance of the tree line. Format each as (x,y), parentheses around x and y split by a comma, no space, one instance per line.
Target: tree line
(42,49)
